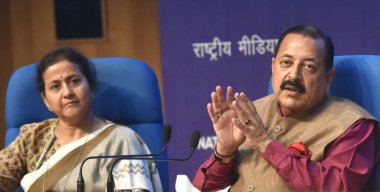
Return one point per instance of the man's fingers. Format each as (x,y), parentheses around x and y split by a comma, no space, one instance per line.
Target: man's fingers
(238,124)
(220,96)
(217,108)
(230,96)
(248,103)
(242,114)
(214,118)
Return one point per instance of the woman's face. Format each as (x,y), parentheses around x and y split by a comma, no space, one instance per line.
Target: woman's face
(67,91)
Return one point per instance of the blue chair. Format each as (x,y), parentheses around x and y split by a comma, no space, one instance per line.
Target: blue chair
(127,93)
(358,79)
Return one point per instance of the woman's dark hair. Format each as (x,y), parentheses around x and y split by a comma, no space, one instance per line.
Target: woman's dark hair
(69,54)
(315,33)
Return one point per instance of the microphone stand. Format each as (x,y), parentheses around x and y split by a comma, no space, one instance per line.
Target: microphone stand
(166,133)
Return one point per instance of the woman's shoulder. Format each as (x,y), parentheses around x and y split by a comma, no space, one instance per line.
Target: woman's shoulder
(38,128)
(126,133)
(117,127)
(124,130)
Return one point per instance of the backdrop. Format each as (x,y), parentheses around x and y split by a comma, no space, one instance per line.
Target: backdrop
(224,42)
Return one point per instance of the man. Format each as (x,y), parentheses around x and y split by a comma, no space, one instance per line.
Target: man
(298,139)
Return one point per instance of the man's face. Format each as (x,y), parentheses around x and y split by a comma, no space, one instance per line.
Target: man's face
(299,77)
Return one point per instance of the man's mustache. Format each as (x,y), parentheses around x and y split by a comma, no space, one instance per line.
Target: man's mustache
(300,88)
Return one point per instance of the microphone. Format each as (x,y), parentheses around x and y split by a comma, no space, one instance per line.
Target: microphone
(166,134)
(195,136)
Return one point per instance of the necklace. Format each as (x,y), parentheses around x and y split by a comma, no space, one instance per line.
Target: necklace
(75,163)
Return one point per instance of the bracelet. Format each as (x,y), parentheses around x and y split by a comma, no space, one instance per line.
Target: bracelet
(224,159)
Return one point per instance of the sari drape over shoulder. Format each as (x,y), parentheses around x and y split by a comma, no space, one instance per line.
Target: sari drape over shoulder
(60,172)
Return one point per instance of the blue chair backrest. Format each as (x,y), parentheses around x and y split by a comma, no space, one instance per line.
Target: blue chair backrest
(358,79)
(127,93)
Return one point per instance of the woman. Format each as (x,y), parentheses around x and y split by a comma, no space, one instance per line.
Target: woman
(46,156)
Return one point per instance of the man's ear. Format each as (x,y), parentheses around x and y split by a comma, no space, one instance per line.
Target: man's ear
(273,61)
(330,77)
(45,101)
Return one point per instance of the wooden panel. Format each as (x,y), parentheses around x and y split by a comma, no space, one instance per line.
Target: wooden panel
(131,30)
(43,28)
(21,23)
(5,61)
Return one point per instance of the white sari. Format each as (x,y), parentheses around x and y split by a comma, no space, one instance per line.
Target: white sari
(60,172)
